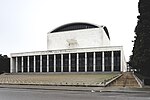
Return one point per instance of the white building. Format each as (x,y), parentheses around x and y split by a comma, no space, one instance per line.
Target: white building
(74,47)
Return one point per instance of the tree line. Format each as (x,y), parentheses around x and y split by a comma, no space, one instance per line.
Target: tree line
(140,59)
(4,64)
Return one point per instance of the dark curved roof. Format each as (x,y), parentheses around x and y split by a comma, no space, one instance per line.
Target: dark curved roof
(106,30)
(74,26)
(78,26)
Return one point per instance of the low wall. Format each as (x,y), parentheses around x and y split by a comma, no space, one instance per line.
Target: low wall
(144,80)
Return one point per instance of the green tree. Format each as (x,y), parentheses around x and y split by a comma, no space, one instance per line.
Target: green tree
(4,63)
(141,50)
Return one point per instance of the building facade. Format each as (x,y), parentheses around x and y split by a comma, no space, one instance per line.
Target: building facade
(75,47)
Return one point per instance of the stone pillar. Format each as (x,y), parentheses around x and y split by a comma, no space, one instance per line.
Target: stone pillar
(61,62)
(112,61)
(54,63)
(28,63)
(94,68)
(22,64)
(103,62)
(34,64)
(47,63)
(11,65)
(85,61)
(77,62)
(121,60)
(40,63)
(16,64)
(69,62)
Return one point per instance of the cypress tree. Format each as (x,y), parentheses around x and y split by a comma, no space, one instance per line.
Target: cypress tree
(4,64)
(141,50)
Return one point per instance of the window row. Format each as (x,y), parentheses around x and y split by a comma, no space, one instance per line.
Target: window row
(74,62)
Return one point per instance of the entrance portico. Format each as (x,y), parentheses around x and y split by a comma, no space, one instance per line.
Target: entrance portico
(104,59)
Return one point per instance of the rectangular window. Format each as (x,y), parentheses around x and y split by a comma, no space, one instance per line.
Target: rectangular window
(98,61)
(19,64)
(44,63)
(51,63)
(107,60)
(65,62)
(73,62)
(81,62)
(31,63)
(37,64)
(25,64)
(90,61)
(117,59)
(58,63)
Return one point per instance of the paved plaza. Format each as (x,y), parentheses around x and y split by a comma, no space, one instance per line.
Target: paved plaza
(38,94)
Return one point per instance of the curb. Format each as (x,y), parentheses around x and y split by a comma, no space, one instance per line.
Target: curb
(140,83)
(112,80)
(42,88)
(65,88)
(125,91)
(79,85)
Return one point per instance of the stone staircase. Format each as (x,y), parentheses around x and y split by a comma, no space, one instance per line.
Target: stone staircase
(57,79)
(126,80)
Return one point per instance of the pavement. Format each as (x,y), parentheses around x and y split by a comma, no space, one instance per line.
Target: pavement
(83,89)
(39,94)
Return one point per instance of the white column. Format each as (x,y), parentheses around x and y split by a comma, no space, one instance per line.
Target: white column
(47,63)
(54,63)
(11,65)
(34,64)
(61,62)
(22,64)
(103,65)
(94,68)
(40,63)
(121,60)
(85,61)
(77,62)
(28,64)
(16,64)
(69,62)
(112,61)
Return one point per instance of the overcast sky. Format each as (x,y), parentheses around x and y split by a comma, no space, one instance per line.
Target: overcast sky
(24,23)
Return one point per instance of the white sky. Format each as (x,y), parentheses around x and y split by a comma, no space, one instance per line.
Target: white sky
(24,23)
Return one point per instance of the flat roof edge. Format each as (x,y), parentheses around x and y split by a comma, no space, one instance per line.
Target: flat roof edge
(94,49)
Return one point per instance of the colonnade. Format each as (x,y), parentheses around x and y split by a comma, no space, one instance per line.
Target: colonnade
(102,61)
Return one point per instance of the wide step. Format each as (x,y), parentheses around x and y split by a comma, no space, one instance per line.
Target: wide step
(126,80)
